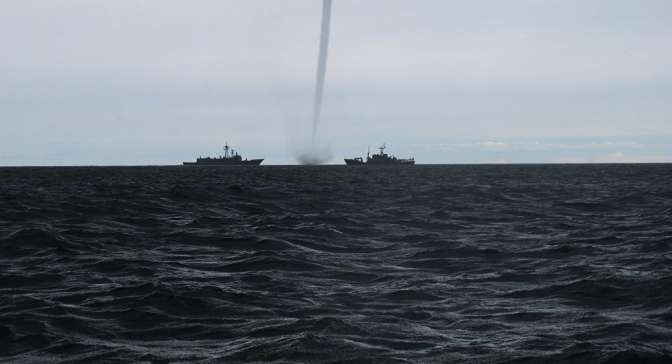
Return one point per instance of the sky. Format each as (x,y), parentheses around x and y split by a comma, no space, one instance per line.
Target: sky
(129,82)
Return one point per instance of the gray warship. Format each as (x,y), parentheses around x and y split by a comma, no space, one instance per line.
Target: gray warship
(230,158)
(381,158)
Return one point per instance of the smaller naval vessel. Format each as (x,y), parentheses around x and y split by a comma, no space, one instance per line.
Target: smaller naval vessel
(230,158)
(381,158)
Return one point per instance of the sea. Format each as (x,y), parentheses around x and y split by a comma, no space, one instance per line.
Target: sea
(336,264)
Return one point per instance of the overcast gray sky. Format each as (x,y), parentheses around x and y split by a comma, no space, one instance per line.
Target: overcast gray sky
(161,81)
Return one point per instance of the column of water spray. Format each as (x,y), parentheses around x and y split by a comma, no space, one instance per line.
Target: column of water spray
(321,66)
(313,153)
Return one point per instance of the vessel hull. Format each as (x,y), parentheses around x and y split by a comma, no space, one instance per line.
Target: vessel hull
(224,162)
(398,162)
(353,162)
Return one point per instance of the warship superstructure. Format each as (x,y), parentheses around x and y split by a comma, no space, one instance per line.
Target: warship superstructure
(381,158)
(230,158)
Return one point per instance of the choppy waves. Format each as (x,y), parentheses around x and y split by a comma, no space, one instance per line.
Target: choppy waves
(332,264)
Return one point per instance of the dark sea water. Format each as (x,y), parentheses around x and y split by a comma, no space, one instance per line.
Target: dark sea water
(434,264)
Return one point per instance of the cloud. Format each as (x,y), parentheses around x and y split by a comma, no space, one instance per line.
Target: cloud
(617,157)
(535,146)
(490,77)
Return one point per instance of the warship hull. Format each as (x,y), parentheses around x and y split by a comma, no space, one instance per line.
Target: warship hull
(379,159)
(356,162)
(224,162)
(230,158)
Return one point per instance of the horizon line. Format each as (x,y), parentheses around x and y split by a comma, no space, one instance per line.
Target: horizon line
(330,165)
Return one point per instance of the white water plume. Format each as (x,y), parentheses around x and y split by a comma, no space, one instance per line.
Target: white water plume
(313,154)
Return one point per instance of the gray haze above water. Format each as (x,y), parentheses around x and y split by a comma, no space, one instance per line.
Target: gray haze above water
(130,82)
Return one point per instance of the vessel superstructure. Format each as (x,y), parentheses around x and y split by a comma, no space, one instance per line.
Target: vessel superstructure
(230,158)
(380,158)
